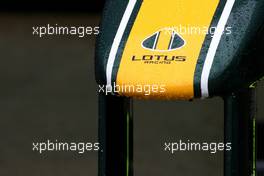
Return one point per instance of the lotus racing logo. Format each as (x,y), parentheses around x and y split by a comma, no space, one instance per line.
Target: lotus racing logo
(161,44)
(163,40)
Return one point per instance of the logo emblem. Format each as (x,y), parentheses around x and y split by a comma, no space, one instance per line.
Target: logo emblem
(164,40)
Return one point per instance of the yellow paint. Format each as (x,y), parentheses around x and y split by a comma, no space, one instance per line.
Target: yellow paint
(164,40)
(178,77)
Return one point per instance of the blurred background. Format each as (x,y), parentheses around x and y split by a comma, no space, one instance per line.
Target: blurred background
(48,92)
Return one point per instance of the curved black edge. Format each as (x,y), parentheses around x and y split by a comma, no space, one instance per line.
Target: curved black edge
(245,51)
(124,40)
(112,15)
(204,50)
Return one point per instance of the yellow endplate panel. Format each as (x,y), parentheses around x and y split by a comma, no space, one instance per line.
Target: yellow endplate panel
(163,68)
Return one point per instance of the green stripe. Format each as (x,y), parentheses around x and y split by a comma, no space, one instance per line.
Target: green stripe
(254,147)
(127,160)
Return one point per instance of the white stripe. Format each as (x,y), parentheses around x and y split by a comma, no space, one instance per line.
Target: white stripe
(156,40)
(172,38)
(213,47)
(117,40)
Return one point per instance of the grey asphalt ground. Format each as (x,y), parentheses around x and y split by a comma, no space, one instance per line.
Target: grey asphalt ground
(48,92)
